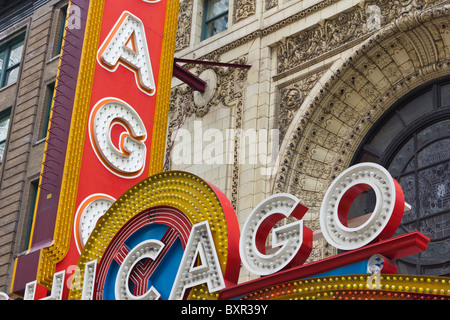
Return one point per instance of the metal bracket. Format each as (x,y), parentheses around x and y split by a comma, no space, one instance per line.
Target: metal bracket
(194,81)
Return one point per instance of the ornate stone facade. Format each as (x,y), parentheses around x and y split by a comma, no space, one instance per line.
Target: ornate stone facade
(226,90)
(360,88)
(243,9)
(329,35)
(184,25)
(322,77)
(269,4)
(292,98)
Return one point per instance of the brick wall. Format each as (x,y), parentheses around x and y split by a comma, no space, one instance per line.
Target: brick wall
(27,100)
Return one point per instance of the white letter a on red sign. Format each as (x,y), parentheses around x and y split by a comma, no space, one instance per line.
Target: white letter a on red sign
(199,264)
(126,44)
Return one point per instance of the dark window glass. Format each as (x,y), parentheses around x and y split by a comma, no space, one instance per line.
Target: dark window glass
(62,24)
(30,217)
(445,95)
(10,58)
(416,108)
(47,111)
(392,127)
(4,125)
(215,17)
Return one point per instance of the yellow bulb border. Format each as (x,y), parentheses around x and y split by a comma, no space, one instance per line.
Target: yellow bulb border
(355,287)
(181,190)
(53,254)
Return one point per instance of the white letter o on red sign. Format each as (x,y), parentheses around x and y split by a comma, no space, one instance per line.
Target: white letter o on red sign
(383,222)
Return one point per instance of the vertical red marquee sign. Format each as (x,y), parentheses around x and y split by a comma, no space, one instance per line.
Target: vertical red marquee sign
(117,128)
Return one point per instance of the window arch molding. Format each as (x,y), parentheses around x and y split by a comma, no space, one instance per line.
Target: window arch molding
(434,113)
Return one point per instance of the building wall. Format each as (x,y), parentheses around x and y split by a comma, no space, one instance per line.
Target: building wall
(322,73)
(27,99)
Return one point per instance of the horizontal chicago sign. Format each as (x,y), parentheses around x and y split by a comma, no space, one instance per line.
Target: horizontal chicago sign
(208,244)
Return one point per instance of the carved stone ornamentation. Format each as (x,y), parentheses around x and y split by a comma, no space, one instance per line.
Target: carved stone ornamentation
(411,48)
(315,42)
(229,87)
(334,33)
(404,54)
(295,17)
(184,25)
(243,9)
(292,98)
(271,4)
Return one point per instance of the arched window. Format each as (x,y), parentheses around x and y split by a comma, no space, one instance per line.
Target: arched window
(413,142)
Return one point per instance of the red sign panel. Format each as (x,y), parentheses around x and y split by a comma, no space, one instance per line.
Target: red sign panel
(109,146)
(116,153)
